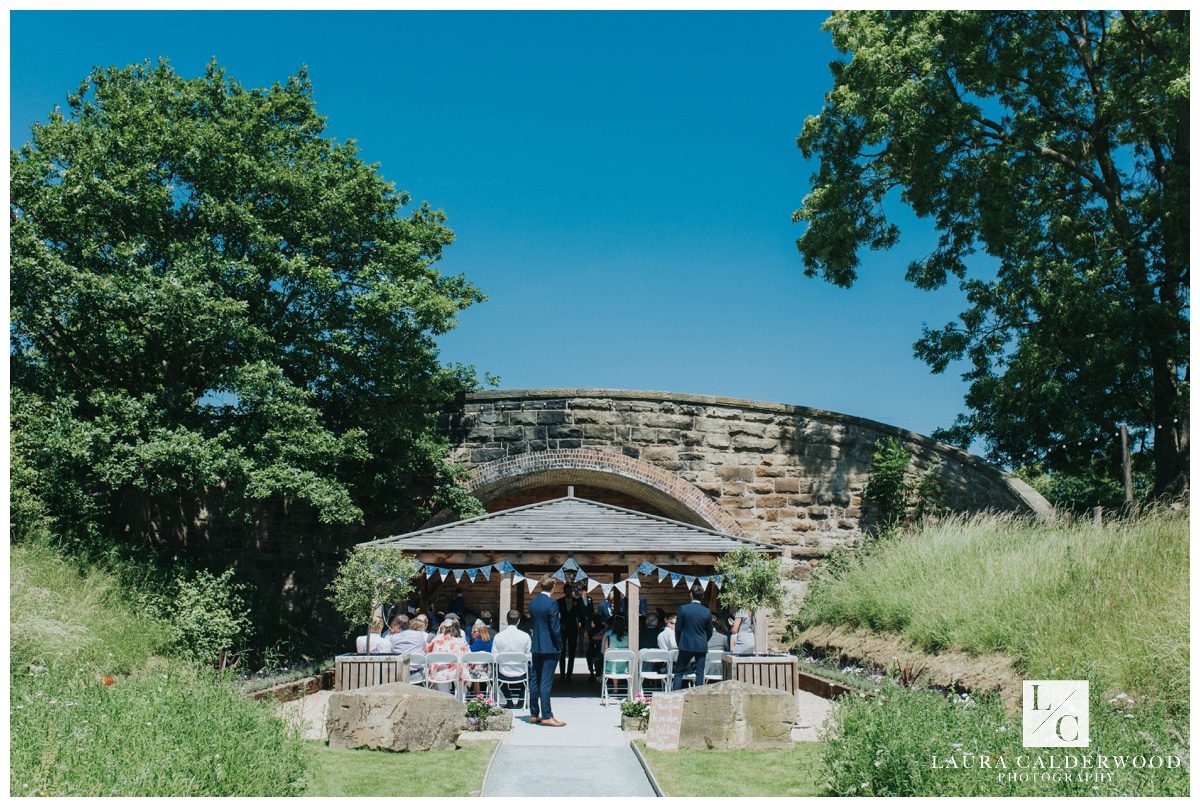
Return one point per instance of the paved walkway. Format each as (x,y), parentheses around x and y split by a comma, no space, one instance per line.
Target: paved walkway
(590,756)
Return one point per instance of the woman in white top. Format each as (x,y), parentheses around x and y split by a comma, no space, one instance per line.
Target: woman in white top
(666,637)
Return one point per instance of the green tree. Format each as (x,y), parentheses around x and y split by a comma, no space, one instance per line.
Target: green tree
(752,580)
(1058,143)
(211,298)
(369,577)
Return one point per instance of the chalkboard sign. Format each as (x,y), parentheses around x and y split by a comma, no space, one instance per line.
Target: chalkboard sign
(666,716)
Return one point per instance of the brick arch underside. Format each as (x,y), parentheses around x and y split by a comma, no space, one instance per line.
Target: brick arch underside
(661,490)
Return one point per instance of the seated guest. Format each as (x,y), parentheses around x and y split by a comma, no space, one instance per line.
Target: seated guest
(481,642)
(617,638)
(409,637)
(596,629)
(378,643)
(449,639)
(512,640)
(666,639)
(719,642)
(648,636)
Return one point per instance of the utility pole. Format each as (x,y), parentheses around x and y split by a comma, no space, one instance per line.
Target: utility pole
(1130,504)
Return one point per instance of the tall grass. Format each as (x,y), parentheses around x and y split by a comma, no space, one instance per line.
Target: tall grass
(1108,603)
(95,712)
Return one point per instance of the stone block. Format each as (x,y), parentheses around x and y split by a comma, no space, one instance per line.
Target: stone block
(735,474)
(770,501)
(725,716)
(745,442)
(661,421)
(551,417)
(660,454)
(787,485)
(394,717)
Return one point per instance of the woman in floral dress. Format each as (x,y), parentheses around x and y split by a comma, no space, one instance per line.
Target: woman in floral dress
(449,639)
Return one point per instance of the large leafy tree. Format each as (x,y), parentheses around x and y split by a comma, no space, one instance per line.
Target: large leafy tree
(1056,142)
(211,298)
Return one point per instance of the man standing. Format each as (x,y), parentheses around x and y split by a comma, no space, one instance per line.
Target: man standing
(512,640)
(693,626)
(569,611)
(546,635)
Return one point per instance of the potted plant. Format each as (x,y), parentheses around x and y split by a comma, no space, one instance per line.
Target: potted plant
(635,714)
(484,715)
(369,577)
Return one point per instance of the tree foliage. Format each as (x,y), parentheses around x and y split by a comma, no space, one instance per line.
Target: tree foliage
(899,493)
(369,577)
(210,296)
(1058,144)
(752,580)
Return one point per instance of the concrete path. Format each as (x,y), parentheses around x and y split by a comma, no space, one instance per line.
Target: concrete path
(590,756)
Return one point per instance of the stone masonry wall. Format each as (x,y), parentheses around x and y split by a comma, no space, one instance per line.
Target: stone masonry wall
(787,475)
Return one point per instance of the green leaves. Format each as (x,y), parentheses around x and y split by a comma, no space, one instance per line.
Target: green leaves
(221,296)
(752,580)
(1056,142)
(369,577)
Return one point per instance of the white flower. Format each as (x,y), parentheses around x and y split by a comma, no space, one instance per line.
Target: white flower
(957,746)
(1001,729)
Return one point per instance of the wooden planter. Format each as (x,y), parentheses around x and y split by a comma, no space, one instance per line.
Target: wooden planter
(776,672)
(634,723)
(359,671)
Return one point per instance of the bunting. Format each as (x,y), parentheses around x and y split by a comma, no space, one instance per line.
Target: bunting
(644,569)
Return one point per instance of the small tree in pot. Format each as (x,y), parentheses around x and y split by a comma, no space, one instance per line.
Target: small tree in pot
(753,581)
(369,577)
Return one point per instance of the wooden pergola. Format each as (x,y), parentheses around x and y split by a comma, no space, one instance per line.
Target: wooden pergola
(602,539)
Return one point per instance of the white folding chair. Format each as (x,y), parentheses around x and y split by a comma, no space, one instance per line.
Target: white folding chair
(512,660)
(611,659)
(713,670)
(416,668)
(659,676)
(484,671)
(444,658)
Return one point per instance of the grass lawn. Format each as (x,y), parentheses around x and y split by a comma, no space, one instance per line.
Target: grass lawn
(383,773)
(692,772)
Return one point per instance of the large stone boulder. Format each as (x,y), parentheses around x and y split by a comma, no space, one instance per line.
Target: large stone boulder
(394,717)
(724,716)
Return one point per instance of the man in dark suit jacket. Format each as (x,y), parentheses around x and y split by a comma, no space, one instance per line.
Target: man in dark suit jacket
(570,609)
(693,626)
(546,634)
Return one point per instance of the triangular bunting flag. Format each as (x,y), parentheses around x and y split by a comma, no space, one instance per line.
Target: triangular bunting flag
(704,581)
(570,563)
(646,567)
(605,588)
(719,581)
(591,584)
(458,573)
(471,574)
(486,571)
(430,571)
(518,577)
(561,575)
(620,586)
(687,578)
(675,578)
(499,567)
(531,583)
(444,573)
(662,573)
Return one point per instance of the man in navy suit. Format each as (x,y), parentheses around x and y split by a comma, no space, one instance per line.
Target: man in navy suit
(693,626)
(546,632)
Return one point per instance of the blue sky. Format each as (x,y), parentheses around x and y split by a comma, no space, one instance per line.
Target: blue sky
(621,186)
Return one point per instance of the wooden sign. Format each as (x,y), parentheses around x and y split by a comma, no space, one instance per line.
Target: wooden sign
(666,716)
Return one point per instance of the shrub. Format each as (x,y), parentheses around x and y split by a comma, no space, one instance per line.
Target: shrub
(208,617)
(886,746)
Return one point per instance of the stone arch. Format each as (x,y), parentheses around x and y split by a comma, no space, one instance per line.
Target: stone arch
(674,497)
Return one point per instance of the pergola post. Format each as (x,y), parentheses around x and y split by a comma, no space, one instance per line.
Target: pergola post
(506,581)
(760,629)
(633,601)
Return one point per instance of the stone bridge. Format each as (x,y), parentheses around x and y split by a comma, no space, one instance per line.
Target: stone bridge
(787,475)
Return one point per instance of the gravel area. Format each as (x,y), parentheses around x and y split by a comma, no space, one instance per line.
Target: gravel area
(308,714)
(811,713)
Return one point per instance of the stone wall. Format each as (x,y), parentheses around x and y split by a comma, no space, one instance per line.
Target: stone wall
(787,475)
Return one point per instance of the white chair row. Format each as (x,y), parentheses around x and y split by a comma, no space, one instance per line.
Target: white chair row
(478,667)
(660,674)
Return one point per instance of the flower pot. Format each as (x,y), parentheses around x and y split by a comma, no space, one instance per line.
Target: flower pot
(634,723)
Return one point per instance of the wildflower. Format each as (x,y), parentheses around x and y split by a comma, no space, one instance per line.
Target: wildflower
(957,746)
(107,681)
(1001,729)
